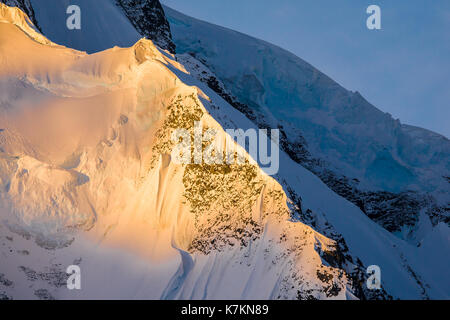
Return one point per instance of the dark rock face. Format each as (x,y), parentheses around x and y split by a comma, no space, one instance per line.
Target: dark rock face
(26,7)
(148,17)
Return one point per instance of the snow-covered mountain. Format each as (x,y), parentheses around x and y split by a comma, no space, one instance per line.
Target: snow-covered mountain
(87,178)
(392,171)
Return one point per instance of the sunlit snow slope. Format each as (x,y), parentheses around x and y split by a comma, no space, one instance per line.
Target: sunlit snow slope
(87,178)
(103,23)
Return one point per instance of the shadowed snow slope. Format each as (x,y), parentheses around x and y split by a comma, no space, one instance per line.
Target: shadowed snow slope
(104,15)
(87,178)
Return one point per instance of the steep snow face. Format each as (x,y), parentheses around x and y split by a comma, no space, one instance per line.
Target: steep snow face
(386,168)
(25,6)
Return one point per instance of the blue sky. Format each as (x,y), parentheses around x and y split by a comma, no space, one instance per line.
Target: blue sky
(403,69)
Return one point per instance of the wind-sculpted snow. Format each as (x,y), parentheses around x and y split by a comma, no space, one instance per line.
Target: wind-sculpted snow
(391,171)
(87,178)
(95,17)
